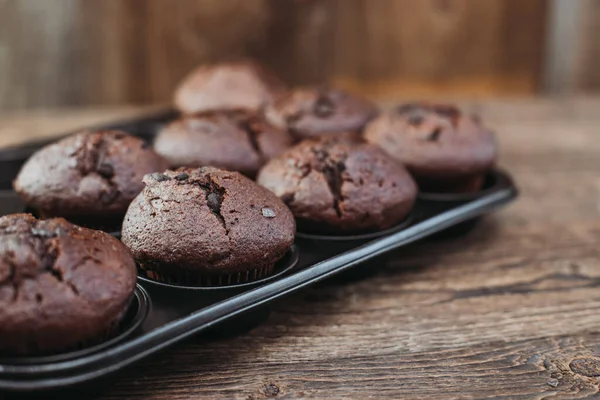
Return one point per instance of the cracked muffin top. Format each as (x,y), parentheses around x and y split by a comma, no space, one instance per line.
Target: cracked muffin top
(60,285)
(89,173)
(444,149)
(317,111)
(227,86)
(237,141)
(207,221)
(340,185)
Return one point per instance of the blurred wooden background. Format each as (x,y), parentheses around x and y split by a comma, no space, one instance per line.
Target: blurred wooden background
(74,52)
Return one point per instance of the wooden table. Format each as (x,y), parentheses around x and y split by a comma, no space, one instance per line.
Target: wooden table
(509,310)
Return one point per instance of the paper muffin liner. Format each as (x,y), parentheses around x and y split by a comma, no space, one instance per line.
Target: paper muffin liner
(467,184)
(102,336)
(179,276)
(111,330)
(114,328)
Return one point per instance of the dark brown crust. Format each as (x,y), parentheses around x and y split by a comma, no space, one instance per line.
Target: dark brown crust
(340,185)
(88,174)
(237,141)
(242,85)
(313,112)
(444,149)
(60,284)
(207,220)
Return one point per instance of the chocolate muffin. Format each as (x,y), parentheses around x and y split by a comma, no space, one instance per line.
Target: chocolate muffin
(89,178)
(340,185)
(227,86)
(206,226)
(313,112)
(444,149)
(237,141)
(62,287)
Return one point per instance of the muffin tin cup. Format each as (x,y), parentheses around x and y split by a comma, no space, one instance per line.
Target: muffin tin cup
(319,247)
(172,295)
(493,181)
(177,312)
(132,320)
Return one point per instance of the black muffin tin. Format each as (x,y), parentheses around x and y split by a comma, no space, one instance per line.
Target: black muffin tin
(163,314)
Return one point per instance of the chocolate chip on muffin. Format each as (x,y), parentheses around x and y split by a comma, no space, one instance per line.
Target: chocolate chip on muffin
(227,86)
(313,112)
(206,226)
(237,141)
(88,177)
(340,185)
(444,149)
(62,287)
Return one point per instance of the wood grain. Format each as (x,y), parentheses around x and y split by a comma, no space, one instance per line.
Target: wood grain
(72,52)
(22,126)
(509,310)
(432,47)
(572,53)
(587,73)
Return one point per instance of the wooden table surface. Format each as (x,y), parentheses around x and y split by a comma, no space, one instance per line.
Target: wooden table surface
(509,310)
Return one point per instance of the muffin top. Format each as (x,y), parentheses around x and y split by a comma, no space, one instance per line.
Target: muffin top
(434,140)
(316,111)
(60,284)
(237,141)
(88,173)
(340,185)
(207,220)
(227,86)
